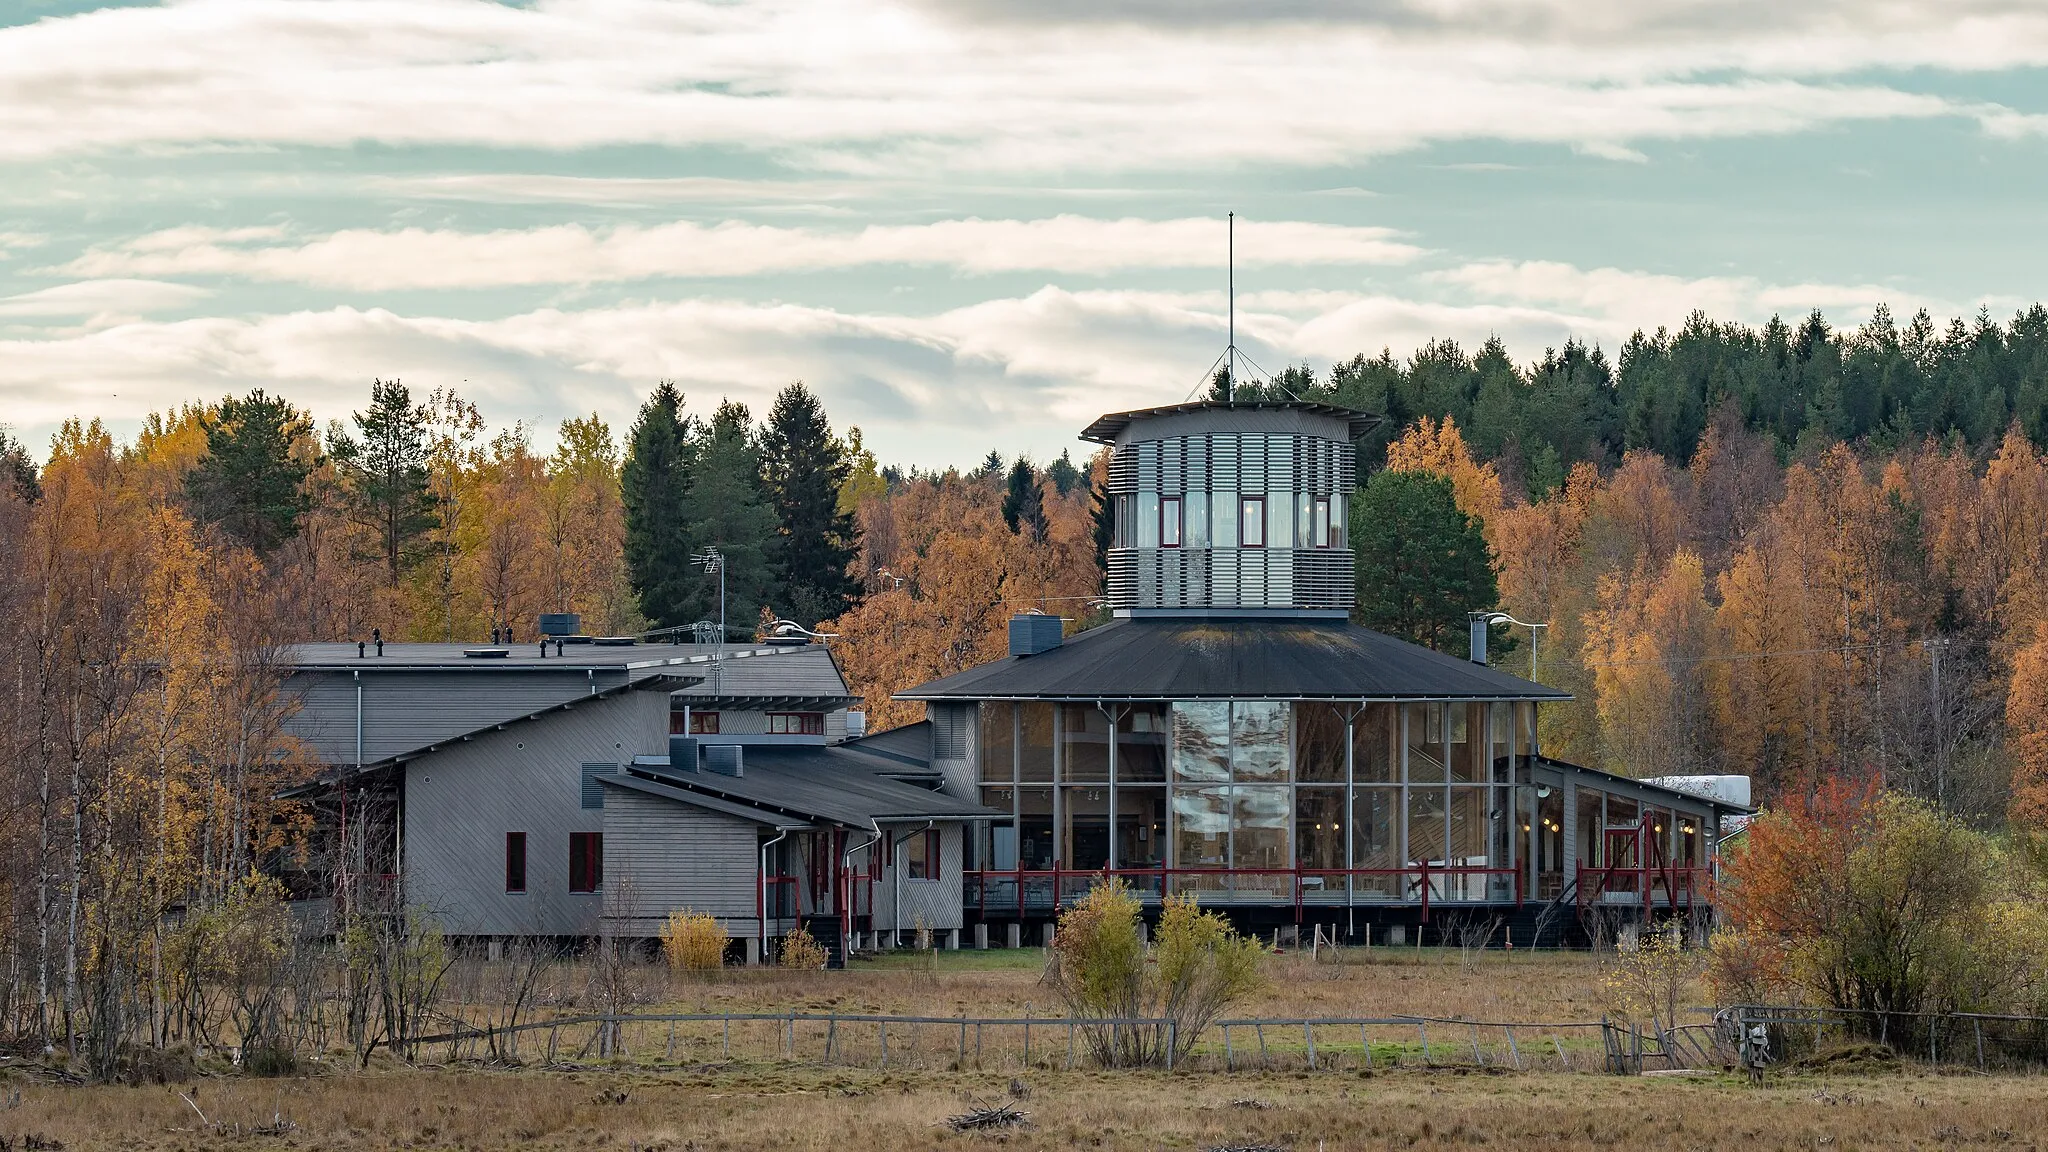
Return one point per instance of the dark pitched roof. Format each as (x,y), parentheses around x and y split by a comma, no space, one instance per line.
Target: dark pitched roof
(821,783)
(702,800)
(1192,658)
(769,676)
(1109,426)
(909,744)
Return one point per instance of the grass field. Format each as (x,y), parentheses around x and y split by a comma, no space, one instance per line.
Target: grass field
(699,1107)
(803,1109)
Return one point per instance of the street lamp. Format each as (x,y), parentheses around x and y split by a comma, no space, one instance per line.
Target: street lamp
(1503,618)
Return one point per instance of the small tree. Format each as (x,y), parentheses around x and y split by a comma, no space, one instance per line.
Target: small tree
(693,942)
(1642,984)
(1199,966)
(801,952)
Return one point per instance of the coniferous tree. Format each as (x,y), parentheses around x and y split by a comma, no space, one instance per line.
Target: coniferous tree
(1102,519)
(1423,564)
(726,509)
(804,467)
(17,471)
(1064,476)
(991,465)
(654,486)
(386,474)
(250,481)
(1024,502)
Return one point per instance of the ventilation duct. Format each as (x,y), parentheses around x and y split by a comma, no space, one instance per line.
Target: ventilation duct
(1034,632)
(725,759)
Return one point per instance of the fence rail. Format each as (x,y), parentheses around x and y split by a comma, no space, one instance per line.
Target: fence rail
(957,1042)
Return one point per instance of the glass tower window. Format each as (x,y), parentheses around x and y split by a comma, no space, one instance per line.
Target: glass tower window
(1251,522)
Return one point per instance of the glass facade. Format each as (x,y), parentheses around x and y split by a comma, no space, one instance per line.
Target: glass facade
(1232,796)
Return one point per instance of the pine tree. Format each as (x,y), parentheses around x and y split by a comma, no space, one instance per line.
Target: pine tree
(386,474)
(726,509)
(991,465)
(1422,563)
(250,482)
(804,467)
(1024,502)
(1102,521)
(654,486)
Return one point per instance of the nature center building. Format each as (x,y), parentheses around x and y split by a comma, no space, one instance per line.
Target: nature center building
(1230,732)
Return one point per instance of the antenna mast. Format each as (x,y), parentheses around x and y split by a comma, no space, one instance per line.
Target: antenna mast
(1230,349)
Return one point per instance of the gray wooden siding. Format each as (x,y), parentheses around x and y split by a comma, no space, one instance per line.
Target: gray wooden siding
(956,735)
(662,856)
(460,802)
(937,901)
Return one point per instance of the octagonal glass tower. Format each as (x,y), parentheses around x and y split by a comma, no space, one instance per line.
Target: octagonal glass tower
(1231,508)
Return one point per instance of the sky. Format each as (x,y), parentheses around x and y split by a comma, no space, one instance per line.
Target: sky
(967,224)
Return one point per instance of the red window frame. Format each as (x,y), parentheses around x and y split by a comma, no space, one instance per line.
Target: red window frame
(1244,507)
(515,863)
(923,864)
(698,724)
(586,861)
(796,723)
(1169,522)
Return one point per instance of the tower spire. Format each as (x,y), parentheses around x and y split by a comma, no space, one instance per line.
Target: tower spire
(1230,349)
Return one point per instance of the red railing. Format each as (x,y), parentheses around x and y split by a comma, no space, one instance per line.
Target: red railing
(1047,890)
(1683,886)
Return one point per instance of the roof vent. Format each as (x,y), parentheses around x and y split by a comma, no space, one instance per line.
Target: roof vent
(614,641)
(725,759)
(486,653)
(1034,632)
(560,623)
(682,753)
(856,725)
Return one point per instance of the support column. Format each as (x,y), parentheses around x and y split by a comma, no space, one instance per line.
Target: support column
(981,937)
(952,939)
(753,952)
(1015,934)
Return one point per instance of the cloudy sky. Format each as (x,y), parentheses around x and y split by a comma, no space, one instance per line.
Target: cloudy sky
(967,223)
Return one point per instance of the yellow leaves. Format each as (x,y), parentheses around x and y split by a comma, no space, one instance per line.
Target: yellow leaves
(1440,449)
(1649,643)
(2026,719)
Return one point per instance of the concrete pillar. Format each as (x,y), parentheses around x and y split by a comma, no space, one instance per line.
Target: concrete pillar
(753,951)
(494,951)
(1015,934)
(981,937)
(1397,933)
(1050,928)
(952,939)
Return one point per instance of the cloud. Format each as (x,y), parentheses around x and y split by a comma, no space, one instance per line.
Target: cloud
(573,254)
(1022,373)
(887,89)
(98,303)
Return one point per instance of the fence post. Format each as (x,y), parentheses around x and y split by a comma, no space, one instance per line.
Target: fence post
(1308,1033)
(977,1043)
(831,1035)
(1477,1058)
(1260,1029)
(1229,1060)
(1172,1041)
(1561,1057)
(884,1026)
(1513,1051)
(1027,1041)
(671,1041)
(728,1036)
(960,1049)
(1422,1026)
(1365,1044)
(1070,1042)
(1980,1042)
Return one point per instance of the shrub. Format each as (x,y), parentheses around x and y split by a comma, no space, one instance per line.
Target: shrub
(693,942)
(801,951)
(1098,967)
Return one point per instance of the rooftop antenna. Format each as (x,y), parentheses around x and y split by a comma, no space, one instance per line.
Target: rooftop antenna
(1230,349)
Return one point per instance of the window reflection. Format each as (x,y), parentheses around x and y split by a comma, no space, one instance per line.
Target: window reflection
(1258,731)
(1201,740)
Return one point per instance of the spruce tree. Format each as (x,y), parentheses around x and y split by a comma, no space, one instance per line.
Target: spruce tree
(653,486)
(249,482)
(1024,503)
(17,470)
(385,474)
(1064,476)
(1102,518)
(1423,564)
(804,467)
(726,509)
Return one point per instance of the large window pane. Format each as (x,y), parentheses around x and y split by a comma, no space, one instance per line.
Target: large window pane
(1376,841)
(1468,743)
(1425,724)
(1034,764)
(1084,739)
(1148,520)
(1140,827)
(1550,844)
(1141,745)
(1280,519)
(1592,818)
(1201,740)
(1622,816)
(1426,826)
(1085,841)
(1198,519)
(1259,840)
(1035,846)
(1201,827)
(1319,739)
(1258,739)
(1223,518)
(1319,829)
(1470,826)
(998,743)
(1372,744)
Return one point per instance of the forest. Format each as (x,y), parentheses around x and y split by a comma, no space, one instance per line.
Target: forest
(1797,552)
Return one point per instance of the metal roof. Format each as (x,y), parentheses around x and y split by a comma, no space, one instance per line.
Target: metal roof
(706,802)
(822,783)
(1196,658)
(1709,802)
(1109,426)
(769,676)
(523,656)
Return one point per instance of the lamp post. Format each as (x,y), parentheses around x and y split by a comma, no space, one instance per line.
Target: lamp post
(1503,618)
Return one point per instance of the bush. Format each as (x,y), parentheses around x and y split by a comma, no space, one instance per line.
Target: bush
(693,942)
(1098,966)
(801,951)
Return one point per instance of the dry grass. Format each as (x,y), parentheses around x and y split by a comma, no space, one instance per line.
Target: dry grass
(808,1109)
(1525,986)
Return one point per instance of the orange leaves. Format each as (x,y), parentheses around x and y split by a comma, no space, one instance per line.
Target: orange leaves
(1793,859)
(2026,720)
(1648,644)
(1440,449)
